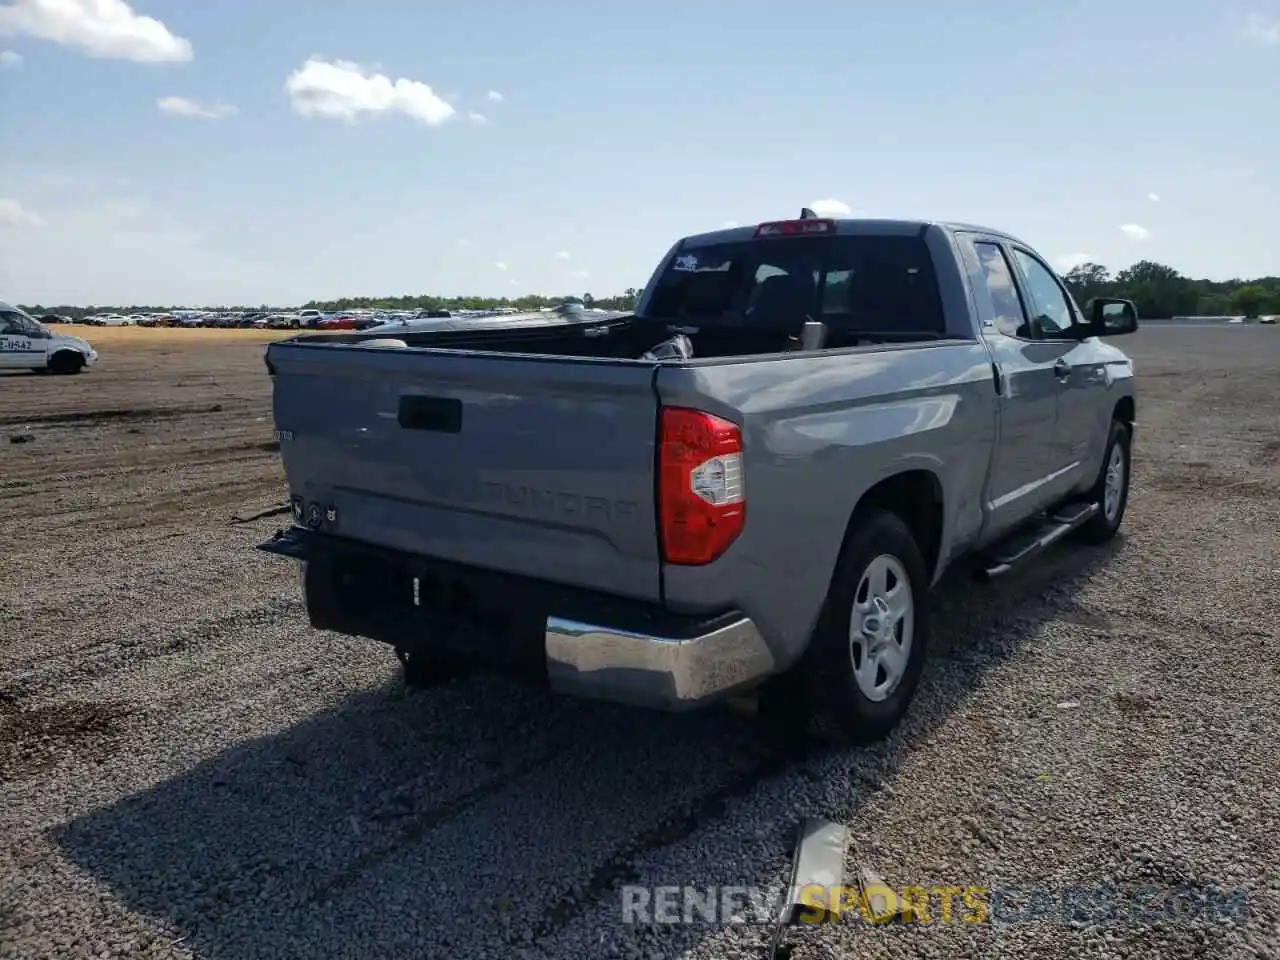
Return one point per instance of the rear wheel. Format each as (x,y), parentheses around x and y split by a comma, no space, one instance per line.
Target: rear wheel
(66,362)
(863,664)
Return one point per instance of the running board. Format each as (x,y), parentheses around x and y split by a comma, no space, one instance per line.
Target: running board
(1027,543)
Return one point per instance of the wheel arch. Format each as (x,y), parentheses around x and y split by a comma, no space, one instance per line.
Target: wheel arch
(66,359)
(917,498)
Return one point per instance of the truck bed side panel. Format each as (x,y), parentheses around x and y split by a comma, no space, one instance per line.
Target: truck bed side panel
(818,432)
(548,474)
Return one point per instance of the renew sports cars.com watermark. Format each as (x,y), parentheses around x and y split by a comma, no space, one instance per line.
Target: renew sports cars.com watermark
(933,904)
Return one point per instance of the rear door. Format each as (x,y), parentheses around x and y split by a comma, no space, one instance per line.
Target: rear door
(538,466)
(1024,477)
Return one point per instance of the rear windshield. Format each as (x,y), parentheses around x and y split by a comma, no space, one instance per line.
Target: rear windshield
(853,284)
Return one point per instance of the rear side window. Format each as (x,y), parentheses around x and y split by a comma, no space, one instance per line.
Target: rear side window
(1006,303)
(854,284)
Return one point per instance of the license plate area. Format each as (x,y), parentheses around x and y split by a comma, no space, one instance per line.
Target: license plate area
(416,605)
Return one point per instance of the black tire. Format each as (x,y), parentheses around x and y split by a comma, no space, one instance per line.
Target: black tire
(1102,526)
(422,671)
(838,704)
(66,362)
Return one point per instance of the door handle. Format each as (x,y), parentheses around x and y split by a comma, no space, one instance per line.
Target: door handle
(1062,369)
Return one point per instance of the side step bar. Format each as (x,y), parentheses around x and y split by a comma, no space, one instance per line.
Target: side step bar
(1025,544)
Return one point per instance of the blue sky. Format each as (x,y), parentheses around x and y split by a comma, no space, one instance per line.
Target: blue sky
(1120,130)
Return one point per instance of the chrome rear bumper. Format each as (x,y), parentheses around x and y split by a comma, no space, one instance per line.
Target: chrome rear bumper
(665,673)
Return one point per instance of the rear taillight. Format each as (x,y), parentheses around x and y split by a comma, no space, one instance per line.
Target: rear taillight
(701,502)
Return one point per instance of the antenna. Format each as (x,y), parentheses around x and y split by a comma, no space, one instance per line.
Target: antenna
(807,214)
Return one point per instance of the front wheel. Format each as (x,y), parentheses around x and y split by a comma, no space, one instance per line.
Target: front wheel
(66,362)
(864,661)
(1111,490)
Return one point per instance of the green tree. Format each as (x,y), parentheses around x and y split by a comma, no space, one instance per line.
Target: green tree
(1157,290)
(1249,300)
(1088,280)
(1211,305)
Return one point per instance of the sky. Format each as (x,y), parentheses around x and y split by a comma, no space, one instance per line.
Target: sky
(275,151)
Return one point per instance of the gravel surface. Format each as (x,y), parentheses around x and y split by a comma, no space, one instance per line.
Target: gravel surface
(186,769)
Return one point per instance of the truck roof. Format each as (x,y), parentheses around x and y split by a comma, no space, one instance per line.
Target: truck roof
(852,225)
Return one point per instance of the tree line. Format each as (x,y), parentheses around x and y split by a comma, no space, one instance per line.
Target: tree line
(1159,292)
(623,301)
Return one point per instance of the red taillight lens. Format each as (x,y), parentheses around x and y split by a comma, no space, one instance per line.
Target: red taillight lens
(795,228)
(701,501)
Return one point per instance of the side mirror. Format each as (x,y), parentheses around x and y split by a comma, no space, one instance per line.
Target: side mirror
(1112,317)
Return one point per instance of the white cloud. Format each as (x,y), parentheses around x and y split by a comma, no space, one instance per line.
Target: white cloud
(108,29)
(493,96)
(728,224)
(14,214)
(830,207)
(343,90)
(479,119)
(579,274)
(462,243)
(1263,30)
(563,255)
(1153,197)
(500,265)
(1134,232)
(1069,261)
(10,59)
(184,107)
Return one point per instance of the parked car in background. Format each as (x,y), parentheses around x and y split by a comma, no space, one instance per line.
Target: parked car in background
(26,344)
(339,321)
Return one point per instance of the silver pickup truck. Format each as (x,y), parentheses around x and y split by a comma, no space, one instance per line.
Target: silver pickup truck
(760,474)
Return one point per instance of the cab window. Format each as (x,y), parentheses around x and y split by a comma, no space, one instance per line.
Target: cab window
(1051,313)
(1002,292)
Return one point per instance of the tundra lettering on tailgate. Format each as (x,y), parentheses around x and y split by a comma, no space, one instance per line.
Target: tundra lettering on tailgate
(560,504)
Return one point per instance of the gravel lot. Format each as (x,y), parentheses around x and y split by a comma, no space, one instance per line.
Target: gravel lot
(186,769)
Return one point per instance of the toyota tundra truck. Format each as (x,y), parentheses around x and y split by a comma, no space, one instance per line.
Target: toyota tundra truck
(760,474)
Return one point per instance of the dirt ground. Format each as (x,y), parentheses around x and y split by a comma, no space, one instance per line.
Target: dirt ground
(186,769)
(131,338)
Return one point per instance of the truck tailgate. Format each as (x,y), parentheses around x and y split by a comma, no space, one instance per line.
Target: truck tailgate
(536,466)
